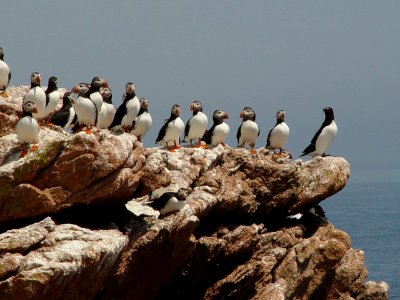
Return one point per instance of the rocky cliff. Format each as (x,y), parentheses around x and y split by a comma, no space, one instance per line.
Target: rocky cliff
(75,224)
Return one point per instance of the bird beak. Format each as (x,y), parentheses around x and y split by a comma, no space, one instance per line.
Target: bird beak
(104,84)
(242,114)
(192,107)
(74,89)
(34,110)
(226,116)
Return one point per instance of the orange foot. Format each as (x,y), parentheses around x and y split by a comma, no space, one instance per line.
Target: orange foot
(34,148)
(177,147)
(171,149)
(23,153)
(88,130)
(252,151)
(4,94)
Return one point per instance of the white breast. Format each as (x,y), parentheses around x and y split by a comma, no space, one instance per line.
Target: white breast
(106,115)
(173,204)
(4,71)
(325,139)
(38,96)
(142,124)
(85,110)
(132,109)
(220,134)
(249,133)
(174,131)
(27,130)
(198,125)
(97,99)
(279,136)
(54,98)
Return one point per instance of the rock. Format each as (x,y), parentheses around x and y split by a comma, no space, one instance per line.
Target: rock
(99,240)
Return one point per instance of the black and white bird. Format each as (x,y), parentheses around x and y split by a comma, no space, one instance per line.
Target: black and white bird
(85,108)
(94,92)
(143,121)
(37,96)
(324,136)
(219,131)
(196,125)
(278,135)
(65,117)
(171,130)
(107,111)
(167,201)
(5,75)
(128,110)
(27,128)
(248,131)
(52,96)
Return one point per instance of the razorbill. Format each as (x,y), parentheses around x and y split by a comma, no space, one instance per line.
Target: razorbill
(143,121)
(196,125)
(85,108)
(169,201)
(27,128)
(65,117)
(219,131)
(278,135)
(324,136)
(171,130)
(248,131)
(37,96)
(5,75)
(128,110)
(52,95)
(107,111)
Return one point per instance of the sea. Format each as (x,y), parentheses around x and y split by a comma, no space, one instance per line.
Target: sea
(370,213)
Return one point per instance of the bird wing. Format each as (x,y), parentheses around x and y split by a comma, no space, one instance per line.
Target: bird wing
(269,136)
(239,133)
(60,117)
(119,114)
(187,128)
(162,132)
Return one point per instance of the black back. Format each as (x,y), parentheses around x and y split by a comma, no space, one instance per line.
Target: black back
(163,129)
(51,87)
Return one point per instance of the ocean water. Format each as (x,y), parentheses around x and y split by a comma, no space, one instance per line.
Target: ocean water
(370,214)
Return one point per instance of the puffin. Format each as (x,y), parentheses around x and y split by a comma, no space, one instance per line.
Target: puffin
(219,131)
(196,125)
(27,127)
(248,131)
(171,130)
(52,95)
(107,111)
(85,108)
(5,75)
(94,91)
(128,110)
(167,201)
(278,135)
(324,136)
(66,116)
(143,121)
(37,96)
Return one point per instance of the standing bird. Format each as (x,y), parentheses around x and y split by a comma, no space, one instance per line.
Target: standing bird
(66,116)
(197,124)
(324,136)
(107,111)
(52,95)
(248,131)
(27,128)
(37,96)
(5,75)
(128,110)
(171,130)
(94,92)
(168,202)
(219,131)
(85,108)
(143,121)
(278,135)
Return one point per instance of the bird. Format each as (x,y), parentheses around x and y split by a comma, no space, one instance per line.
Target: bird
(66,116)
(128,110)
(85,108)
(94,92)
(27,128)
(143,121)
(108,110)
(278,135)
(168,202)
(5,75)
(52,96)
(196,125)
(219,131)
(37,96)
(171,130)
(248,131)
(324,136)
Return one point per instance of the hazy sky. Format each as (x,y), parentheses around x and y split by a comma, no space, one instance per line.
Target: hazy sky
(295,55)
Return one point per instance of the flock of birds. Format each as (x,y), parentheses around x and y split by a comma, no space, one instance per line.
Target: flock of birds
(92,107)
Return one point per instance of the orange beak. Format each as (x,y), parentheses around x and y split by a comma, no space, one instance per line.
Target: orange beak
(226,116)
(104,84)
(34,110)
(192,107)
(242,114)
(74,89)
